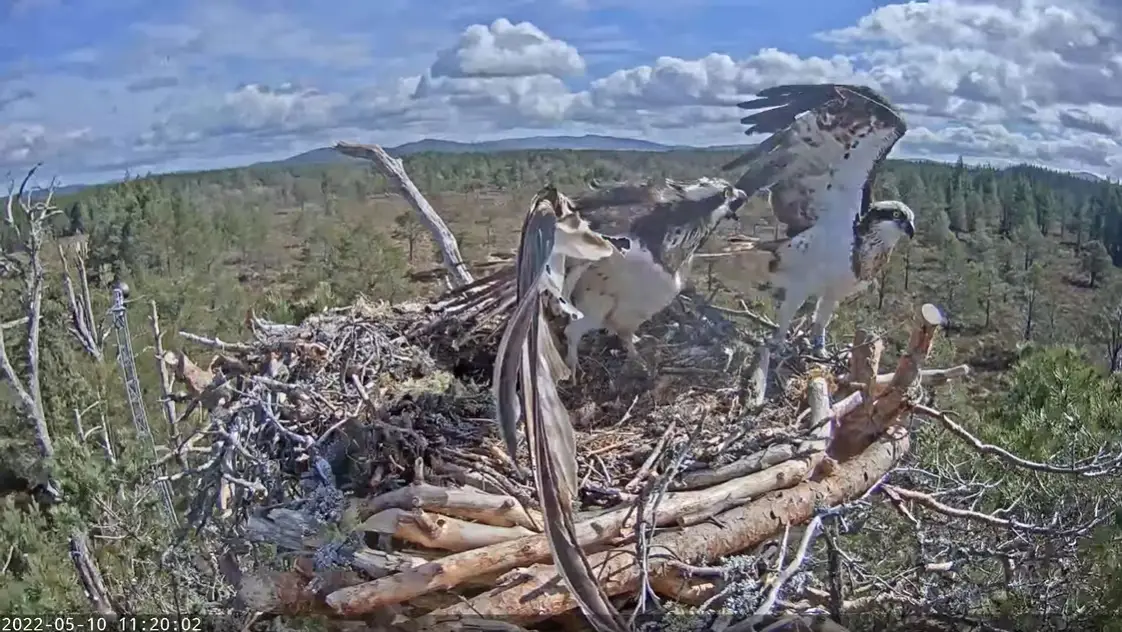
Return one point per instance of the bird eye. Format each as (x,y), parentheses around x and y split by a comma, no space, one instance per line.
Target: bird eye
(897,214)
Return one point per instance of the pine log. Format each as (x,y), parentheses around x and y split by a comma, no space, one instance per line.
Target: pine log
(466,503)
(453,570)
(435,531)
(538,593)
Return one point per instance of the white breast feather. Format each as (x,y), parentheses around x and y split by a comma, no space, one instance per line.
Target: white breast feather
(638,285)
(818,259)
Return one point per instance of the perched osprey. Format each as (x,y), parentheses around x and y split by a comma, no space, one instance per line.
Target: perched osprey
(657,229)
(826,143)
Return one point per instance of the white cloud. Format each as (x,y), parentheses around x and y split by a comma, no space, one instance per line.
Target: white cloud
(1000,80)
(504,49)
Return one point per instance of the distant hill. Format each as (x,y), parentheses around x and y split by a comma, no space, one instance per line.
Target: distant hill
(588,142)
(1086,175)
(326,155)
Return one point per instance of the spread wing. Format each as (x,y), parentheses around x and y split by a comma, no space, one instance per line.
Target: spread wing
(826,140)
(522,359)
(607,208)
(613,208)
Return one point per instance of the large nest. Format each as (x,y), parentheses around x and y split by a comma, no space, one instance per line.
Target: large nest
(364,439)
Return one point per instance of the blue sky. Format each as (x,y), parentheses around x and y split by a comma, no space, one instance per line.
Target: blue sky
(95,89)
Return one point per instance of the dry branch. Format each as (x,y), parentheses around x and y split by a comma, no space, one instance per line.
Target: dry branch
(167,404)
(434,531)
(859,430)
(394,171)
(1111,465)
(82,324)
(29,398)
(88,574)
(537,594)
(464,502)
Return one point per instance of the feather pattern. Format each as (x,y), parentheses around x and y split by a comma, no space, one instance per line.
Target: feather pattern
(825,141)
(523,360)
(651,225)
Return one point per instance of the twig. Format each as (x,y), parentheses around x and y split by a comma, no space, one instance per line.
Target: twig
(926,500)
(789,571)
(633,485)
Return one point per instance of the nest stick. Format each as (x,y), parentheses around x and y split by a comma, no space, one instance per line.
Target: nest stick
(453,570)
(539,594)
(434,531)
(461,502)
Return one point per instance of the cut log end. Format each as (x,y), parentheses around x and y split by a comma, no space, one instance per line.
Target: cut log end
(932,315)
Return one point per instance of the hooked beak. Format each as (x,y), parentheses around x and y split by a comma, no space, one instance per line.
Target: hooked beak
(910,229)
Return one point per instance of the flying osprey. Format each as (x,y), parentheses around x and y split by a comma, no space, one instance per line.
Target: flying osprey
(827,142)
(657,229)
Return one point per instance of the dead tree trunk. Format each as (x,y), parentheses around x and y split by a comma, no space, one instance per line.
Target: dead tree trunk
(394,171)
(29,399)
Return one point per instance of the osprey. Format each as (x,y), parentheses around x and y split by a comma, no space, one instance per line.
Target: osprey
(827,142)
(657,229)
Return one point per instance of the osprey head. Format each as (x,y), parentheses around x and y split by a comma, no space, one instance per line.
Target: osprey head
(891,219)
(697,190)
(734,200)
(706,189)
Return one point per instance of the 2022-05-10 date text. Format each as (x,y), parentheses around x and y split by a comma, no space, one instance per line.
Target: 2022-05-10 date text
(100,623)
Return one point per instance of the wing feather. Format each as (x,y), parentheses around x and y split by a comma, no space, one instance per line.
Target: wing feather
(524,359)
(534,250)
(607,209)
(825,141)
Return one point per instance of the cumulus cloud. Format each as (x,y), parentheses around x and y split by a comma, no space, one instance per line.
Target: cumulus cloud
(23,142)
(504,49)
(997,80)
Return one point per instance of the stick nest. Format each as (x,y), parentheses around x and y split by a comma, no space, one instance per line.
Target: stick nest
(373,397)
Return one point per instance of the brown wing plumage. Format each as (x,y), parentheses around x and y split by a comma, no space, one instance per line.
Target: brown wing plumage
(826,140)
(607,207)
(523,360)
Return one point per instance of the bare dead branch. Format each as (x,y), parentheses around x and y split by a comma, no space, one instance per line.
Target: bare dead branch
(927,501)
(82,324)
(394,170)
(858,430)
(1093,469)
(435,531)
(88,574)
(464,502)
(27,388)
(167,404)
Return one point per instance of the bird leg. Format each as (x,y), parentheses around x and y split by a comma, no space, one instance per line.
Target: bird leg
(574,332)
(787,308)
(634,357)
(823,313)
